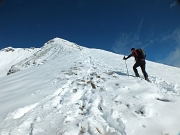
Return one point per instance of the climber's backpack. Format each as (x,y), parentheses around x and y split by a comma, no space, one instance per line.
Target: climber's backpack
(141,53)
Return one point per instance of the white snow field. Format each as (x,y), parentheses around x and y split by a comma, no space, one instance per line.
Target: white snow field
(66,89)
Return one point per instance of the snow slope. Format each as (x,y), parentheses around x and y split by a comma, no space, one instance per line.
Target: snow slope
(87,92)
(10,56)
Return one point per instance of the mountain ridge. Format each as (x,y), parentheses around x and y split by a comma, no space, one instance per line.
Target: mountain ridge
(47,52)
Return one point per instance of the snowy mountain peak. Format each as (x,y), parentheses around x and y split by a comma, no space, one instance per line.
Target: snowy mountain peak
(63,44)
(52,49)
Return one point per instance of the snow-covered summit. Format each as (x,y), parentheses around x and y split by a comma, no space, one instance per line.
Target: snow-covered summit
(63,44)
(49,51)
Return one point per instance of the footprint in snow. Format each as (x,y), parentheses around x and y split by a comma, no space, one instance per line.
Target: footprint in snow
(163,99)
(144,111)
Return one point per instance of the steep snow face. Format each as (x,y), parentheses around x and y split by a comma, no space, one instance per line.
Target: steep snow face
(49,51)
(10,56)
(88,92)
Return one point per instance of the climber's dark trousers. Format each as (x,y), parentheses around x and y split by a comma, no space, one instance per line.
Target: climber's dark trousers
(142,64)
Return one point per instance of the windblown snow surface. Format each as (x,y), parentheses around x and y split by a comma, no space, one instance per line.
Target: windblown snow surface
(81,91)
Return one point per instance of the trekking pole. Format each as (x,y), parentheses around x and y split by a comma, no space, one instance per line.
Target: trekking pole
(126,67)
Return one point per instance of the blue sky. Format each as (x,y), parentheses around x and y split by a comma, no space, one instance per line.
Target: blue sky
(112,25)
